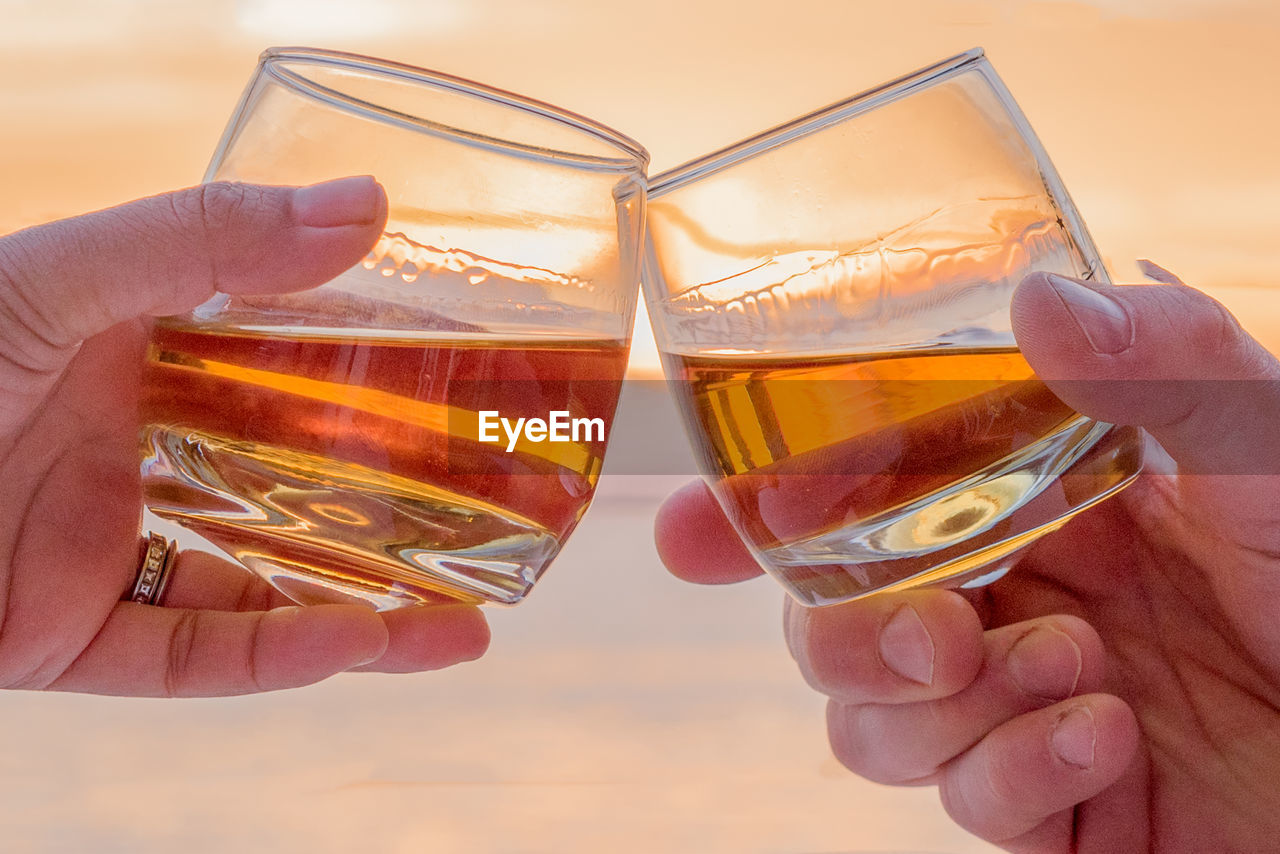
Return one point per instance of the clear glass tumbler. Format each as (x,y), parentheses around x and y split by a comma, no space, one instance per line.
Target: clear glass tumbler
(831,299)
(333,441)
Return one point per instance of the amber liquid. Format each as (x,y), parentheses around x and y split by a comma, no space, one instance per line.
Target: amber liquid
(348,466)
(850,473)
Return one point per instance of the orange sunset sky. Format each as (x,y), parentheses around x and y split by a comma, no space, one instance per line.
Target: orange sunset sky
(1161,116)
(619,709)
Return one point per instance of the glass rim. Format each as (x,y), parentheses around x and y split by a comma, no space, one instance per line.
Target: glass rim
(779,135)
(273,61)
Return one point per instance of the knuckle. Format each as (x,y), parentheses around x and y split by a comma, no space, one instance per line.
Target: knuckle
(33,336)
(981,797)
(253,595)
(957,802)
(869,744)
(838,658)
(999,776)
(182,642)
(1186,416)
(843,735)
(225,213)
(822,670)
(1208,325)
(253,661)
(823,655)
(220,203)
(12,262)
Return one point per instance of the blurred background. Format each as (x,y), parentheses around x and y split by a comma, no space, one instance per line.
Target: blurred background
(618,709)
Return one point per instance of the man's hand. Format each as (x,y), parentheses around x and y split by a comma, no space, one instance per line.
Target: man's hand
(1119,690)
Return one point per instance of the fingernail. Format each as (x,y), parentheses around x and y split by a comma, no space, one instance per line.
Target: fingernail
(1156,273)
(346,201)
(1102,320)
(1074,737)
(370,660)
(905,646)
(1045,663)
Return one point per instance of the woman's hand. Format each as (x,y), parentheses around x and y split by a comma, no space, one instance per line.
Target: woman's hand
(75,296)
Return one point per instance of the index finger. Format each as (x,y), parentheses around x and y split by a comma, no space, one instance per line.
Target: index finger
(145,651)
(696,541)
(425,637)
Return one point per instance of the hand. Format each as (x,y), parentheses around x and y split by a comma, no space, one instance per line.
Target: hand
(1119,690)
(74,298)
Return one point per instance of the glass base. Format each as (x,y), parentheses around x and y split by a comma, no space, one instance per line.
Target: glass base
(324,531)
(969,533)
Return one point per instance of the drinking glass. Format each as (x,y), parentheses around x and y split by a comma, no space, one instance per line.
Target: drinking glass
(333,440)
(831,300)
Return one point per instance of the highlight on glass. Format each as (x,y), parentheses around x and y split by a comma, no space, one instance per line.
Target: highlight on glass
(831,300)
(329,440)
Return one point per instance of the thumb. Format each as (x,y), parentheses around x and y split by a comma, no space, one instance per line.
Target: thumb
(1163,357)
(63,282)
